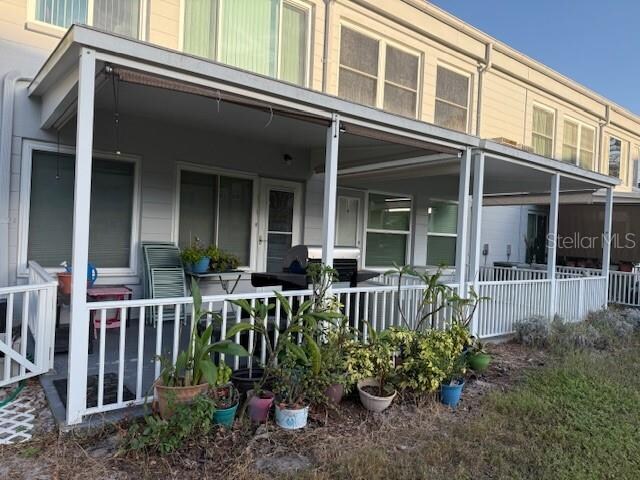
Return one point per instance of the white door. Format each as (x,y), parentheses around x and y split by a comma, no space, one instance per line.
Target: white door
(279,225)
(348,221)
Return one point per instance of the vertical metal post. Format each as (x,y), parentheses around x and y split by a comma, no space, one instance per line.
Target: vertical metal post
(463,222)
(79,330)
(606,240)
(330,191)
(552,240)
(476,228)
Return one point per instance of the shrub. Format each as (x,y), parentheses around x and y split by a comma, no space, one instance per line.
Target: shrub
(533,332)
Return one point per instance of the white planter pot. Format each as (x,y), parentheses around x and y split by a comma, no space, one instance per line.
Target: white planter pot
(291,419)
(373,403)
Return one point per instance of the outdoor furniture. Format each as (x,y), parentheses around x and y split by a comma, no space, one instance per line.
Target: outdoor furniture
(98,294)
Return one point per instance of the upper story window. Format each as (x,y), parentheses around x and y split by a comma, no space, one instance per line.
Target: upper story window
(615,154)
(452,100)
(270,37)
(376,73)
(578,144)
(542,131)
(117,16)
(636,166)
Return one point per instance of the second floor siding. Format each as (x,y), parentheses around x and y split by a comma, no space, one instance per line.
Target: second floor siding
(405,56)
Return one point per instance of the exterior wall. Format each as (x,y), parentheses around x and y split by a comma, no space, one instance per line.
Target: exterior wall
(502,226)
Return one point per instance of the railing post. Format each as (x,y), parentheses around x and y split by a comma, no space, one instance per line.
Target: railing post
(79,329)
(463,215)
(606,239)
(552,240)
(330,190)
(581,306)
(476,226)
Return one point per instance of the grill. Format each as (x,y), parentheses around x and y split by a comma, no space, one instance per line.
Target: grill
(294,275)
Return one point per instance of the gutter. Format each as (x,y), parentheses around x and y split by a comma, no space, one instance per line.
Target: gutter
(482,68)
(6,137)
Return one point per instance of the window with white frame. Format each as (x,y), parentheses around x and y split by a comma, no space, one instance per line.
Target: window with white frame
(442,234)
(615,155)
(118,16)
(388,230)
(542,131)
(377,73)
(51,210)
(217,210)
(578,144)
(452,99)
(636,166)
(270,37)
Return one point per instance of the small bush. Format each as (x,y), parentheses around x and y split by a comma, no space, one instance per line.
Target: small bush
(580,336)
(533,332)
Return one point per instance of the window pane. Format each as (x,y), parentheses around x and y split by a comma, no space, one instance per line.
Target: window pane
(388,212)
(357,88)
(250,35)
(570,134)
(281,211)
(51,211)
(450,116)
(587,138)
(200,24)
(542,145)
(279,245)
(236,198)
(385,249)
(400,101)
(569,154)
(62,13)
(441,250)
(293,63)
(198,196)
(401,68)
(615,148)
(443,218)
(359,51)
(586,159)
(452,87)
(542,122)
(117,16)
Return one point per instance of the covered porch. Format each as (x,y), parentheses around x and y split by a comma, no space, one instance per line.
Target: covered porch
(147,135)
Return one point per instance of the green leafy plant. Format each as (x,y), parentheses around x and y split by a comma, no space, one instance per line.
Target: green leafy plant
(194,365)
(221,261)
(194,253)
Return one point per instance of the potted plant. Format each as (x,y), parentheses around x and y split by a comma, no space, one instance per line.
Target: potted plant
(221,261)
(451,388)
(259,403)
(477,357)
(377,392)
(225,397)
(195,257)
(292,407)
(194,369)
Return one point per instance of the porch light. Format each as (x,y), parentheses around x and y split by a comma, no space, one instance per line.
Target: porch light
(398,209)
(398,199)
(429,211)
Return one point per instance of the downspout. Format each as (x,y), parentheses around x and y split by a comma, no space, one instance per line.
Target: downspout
(482,68)
(325,46)
(6,134)
(601,125)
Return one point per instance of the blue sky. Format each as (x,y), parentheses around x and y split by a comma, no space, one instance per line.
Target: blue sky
(595,42)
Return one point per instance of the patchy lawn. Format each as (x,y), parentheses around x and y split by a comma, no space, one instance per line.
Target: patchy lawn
(532,416)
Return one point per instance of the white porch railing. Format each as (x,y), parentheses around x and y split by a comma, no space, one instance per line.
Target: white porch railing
(624,288)
(509,274)
(30,309)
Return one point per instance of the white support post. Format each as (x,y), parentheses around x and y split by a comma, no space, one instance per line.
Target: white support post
(476,228)
(606,240)
(79,329)
(463,222)
(552,240)
(330,191)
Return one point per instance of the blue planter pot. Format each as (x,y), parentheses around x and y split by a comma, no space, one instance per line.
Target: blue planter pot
(225,416)
(201,266)
(450,394)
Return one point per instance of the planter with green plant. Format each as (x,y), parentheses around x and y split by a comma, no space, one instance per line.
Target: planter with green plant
(194,370)
(221,261)
(451,389)
(477,357)
(225,397)
(195,257)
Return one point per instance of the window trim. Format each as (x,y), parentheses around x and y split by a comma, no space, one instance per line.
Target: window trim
(366,229)
(555,127)
(301,4)
(213,170)
(463,73)
(383,42)
(28,147)
(40,26)
(437,234)
(581,125)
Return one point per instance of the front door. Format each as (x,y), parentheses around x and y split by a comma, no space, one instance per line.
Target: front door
(279,226)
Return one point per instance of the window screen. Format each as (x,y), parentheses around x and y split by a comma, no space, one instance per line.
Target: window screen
(570,142)
(542,132)
(117,16)
(587,141)
(615,153)
(200,27)
(452,98)
(51,211)
(293,45)
(401,82)
(358,67)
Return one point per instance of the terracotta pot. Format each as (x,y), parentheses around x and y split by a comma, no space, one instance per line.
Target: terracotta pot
(168,397)
(335,393)
(373,403)
(64,282)
(259,406)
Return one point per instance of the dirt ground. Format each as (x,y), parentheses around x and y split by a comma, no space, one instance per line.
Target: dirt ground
(265,452)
